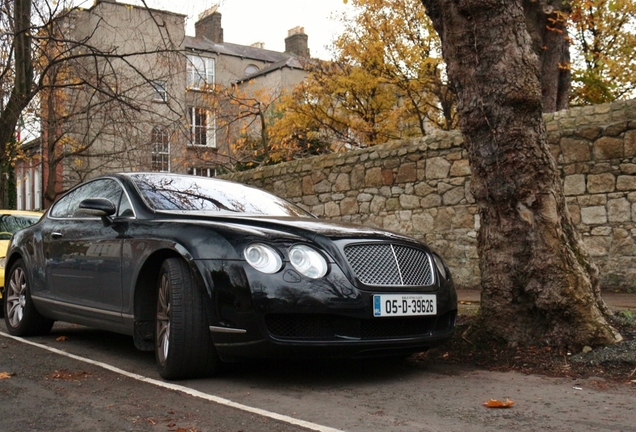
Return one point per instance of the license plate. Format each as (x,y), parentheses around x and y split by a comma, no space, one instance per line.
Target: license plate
(385,305)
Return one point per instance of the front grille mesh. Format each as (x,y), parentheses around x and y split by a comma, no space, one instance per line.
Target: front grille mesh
(389,264)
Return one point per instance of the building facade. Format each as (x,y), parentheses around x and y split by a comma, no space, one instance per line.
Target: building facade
(137,94)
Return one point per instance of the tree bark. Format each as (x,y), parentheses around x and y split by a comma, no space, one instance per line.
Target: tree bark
(538,286)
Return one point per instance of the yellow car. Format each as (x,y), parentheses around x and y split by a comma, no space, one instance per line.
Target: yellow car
(10,222)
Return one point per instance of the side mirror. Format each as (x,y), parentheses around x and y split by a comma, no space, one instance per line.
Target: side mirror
(100,207)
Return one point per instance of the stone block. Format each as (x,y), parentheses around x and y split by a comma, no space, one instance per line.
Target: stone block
(574,184)
(423,222)
(322,187)
(432,200)
(349,206)
(409,201)
(407,173)
(608,148)
(378,204)
(437,168)
(575,150)
(597,246)
(373,177)
(626,182)
(619,210)
(422,189)
(630,144)
(332,209)
(342,183)
(589,133)
(594,215)
(599,183)
(453,196)
(357,177)
(460,168)
(387,177)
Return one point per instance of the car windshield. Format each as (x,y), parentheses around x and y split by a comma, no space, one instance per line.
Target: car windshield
(13,223)
(190,193)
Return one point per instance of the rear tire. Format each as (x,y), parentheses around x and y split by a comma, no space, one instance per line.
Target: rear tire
(183,345)
(20,315)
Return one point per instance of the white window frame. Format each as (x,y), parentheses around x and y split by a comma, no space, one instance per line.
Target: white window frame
(200,72)
(160,149)
(202,172)
(160,91)
(202,126)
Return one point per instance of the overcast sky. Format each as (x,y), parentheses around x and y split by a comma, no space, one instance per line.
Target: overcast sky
(248,21)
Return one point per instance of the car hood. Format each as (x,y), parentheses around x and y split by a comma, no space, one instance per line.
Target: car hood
(304,227)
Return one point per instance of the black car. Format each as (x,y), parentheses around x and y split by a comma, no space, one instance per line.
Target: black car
(203,270)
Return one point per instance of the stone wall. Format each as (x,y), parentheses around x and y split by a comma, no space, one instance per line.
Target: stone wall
(421,187)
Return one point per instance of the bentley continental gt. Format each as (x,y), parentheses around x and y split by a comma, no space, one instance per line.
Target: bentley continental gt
(203,271)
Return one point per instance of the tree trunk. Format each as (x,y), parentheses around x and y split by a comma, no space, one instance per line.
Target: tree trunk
(21,93)
(538,286)
(545,22)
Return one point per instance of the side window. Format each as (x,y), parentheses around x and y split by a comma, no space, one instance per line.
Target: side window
(125,208)
(68,205)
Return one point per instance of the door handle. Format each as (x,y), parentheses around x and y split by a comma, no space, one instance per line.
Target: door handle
(57,234)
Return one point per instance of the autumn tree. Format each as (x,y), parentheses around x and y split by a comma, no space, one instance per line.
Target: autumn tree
(348,105)
(386,80)
(248,117)
(538,286)
(394,41)
(604,39)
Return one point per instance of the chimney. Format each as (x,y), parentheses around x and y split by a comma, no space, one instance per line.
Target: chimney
(296,42)
(209,25)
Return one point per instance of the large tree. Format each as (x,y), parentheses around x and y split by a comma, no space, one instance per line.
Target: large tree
(538,286)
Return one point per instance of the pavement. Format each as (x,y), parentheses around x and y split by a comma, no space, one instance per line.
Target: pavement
(616,300)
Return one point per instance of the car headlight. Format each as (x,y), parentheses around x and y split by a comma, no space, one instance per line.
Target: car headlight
(308,261)
(441,267)
(263,258)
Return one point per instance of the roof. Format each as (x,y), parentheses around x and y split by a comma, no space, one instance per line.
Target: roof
(292,63)
(235,50)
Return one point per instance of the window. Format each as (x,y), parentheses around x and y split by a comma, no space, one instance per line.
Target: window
(160,93)
(250,69)
(200,72)
(202,127)
(160,149)
(68,205)
(202,172)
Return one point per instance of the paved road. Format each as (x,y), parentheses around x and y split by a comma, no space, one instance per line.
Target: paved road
(48,391)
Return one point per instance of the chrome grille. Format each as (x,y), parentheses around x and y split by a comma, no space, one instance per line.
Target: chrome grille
(389,264)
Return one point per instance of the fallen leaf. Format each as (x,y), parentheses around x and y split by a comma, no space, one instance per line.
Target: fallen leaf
(61,338)
(5,375)
(494,403)
(69,376)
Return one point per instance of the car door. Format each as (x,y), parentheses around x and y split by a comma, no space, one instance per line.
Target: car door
(83,256)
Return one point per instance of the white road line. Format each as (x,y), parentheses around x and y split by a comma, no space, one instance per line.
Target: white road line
(180,388)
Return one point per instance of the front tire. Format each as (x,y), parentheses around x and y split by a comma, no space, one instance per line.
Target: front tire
(183,345)
(20,314)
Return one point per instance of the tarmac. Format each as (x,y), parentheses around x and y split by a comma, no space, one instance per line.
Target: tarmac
(615,300)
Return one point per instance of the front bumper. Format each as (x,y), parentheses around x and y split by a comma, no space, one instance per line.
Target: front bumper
(254,315)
